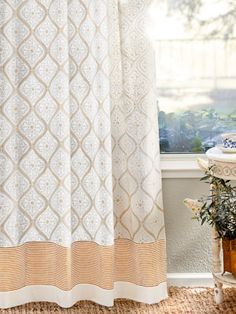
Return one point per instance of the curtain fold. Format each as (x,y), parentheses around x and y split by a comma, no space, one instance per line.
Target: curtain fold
(80,185)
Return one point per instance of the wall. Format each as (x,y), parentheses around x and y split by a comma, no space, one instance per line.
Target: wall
(188,243)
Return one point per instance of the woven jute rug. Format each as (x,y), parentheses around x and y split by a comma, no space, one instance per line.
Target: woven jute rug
(180,301)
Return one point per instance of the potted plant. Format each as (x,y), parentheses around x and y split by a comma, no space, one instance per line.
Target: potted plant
(218,210)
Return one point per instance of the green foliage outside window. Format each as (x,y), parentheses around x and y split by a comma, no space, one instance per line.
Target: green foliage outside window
(193,131)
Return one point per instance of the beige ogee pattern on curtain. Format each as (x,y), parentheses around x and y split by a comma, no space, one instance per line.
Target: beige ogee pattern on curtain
(80,187)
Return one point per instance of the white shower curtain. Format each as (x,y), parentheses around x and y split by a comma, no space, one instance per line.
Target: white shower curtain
(80,189)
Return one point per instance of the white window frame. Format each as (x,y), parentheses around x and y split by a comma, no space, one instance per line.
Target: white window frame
(181,166)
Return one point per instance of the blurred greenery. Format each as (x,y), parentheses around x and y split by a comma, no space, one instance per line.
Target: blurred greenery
(222,25)
(193,131)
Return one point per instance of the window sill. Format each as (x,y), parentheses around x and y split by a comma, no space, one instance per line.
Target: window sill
(181,166)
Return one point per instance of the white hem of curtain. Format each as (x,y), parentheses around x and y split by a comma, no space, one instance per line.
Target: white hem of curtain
(66,299)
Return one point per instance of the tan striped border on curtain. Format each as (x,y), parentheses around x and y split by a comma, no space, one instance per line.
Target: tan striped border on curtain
(46,263)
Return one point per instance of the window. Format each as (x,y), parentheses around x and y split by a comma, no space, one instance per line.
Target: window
(196,73)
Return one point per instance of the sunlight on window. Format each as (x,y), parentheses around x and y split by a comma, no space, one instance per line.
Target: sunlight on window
(196,75)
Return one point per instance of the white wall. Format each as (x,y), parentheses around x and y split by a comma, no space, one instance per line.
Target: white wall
(188,243)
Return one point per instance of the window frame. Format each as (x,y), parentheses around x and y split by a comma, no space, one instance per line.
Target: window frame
(181,166)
